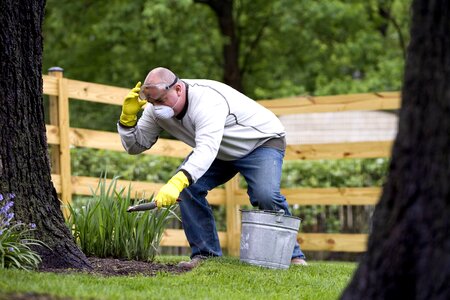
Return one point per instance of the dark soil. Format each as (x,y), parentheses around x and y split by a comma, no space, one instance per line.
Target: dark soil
(120,267)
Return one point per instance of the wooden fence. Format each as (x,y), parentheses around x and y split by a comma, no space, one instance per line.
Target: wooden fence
(61,137)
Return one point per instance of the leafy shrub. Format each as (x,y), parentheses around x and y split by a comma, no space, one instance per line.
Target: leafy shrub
(92,162)
(313,173)
(15,239)
(335,173)
(103,227)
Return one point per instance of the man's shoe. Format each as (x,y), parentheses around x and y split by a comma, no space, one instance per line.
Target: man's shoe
(194,262)
(298,261)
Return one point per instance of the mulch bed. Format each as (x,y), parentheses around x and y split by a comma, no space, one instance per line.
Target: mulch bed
(120,267)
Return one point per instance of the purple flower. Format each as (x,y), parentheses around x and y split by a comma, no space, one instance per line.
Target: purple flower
(9,217)
(32,225)
(1,197)
(7,206)
(11,249)
(4,210)
(6,217)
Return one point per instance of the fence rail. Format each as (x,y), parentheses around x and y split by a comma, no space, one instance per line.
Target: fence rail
(61,137)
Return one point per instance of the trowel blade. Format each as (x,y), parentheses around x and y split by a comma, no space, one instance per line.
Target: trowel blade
(141,207)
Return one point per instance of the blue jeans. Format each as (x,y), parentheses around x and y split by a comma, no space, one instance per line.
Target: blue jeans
(262,171)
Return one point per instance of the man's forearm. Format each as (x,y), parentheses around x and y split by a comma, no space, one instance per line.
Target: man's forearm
(132,141)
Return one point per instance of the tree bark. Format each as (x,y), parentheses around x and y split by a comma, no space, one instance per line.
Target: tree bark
(408,254)
(224,12)
(24,162)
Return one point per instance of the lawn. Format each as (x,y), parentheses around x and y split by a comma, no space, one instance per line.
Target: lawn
(223,278)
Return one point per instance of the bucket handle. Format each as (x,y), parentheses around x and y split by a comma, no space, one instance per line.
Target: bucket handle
(279,215)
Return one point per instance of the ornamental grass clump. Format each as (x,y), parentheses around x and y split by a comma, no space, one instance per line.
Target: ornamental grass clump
(103,227)
(16,239)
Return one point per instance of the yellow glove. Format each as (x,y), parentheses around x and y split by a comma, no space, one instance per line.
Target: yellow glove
(131,106)
(169,193)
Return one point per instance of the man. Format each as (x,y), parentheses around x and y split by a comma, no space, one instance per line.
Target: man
(229,133)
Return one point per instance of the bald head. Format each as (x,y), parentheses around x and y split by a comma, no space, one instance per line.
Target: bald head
(160,75)
(162,86)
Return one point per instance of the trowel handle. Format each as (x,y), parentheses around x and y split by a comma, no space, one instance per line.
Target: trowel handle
(145,206)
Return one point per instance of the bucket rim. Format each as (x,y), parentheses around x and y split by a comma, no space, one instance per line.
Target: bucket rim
(267,211)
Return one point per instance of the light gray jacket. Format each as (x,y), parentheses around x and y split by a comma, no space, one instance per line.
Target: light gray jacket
(220,122)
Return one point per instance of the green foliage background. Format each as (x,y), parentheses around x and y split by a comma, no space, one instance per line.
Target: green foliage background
(312,47)
(302,47)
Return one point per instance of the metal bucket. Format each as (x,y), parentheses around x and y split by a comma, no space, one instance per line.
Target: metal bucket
(268,238)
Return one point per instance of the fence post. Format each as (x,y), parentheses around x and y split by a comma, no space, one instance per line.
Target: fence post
(233,217)
(53,114)
(59,116)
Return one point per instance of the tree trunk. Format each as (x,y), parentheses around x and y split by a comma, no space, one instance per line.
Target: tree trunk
(408,254)
(224,12)
(24,161)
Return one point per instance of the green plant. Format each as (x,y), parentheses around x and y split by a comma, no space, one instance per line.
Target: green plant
(15,239)
(102,227)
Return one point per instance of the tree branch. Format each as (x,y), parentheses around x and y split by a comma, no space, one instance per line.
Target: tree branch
(385,13)
(253,45)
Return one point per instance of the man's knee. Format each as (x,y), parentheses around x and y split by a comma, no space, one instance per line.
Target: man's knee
(270,200)
(262,199)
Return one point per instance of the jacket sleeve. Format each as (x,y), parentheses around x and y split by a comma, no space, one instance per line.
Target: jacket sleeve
(141,137)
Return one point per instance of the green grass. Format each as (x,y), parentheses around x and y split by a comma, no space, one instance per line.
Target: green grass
(223,278)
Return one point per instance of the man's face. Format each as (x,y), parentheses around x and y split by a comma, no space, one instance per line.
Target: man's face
(157,96)
(158,93)
(154,94)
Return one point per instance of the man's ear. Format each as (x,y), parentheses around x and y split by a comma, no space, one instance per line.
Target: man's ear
(179,89)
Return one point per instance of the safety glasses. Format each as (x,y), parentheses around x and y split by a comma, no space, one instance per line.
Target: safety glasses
(158,90)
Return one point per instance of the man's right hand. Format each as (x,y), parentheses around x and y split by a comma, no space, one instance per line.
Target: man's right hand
(170,192)
(131,106)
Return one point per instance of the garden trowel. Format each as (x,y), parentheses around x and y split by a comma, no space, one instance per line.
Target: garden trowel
(141,207)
